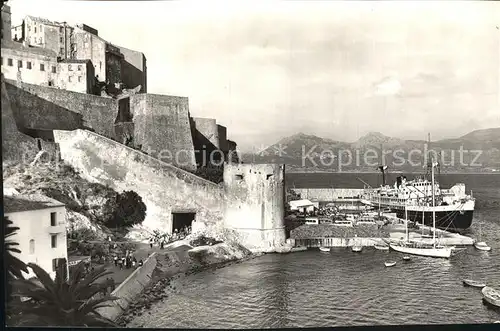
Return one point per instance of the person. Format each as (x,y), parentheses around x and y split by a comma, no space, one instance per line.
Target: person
(133,263)
(112,283)
(162,244)
(120,263)
(140,263)
(151,242)
(116,260)
(109,238)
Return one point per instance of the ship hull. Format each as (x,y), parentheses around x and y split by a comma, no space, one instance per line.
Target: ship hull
(430,252)
(452,218)
(449,220)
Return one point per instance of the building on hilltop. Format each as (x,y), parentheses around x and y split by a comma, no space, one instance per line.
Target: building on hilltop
(39,66)
(33,65)
(134,69)
(112,64)
(76,75)
(42,230)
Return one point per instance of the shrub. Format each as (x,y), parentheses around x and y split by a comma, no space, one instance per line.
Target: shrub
(125,210)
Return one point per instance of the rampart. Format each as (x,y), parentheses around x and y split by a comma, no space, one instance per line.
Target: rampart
(40,107)
(327,194)
(131,287)
(255,204)
(16,146)
(163,187)
(162,128)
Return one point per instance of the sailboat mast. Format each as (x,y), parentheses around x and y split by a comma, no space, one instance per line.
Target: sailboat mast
(406,222)
(433,205)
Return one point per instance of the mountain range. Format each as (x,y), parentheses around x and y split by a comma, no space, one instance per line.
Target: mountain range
(477,151)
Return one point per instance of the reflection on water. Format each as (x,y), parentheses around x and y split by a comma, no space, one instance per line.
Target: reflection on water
(340,288)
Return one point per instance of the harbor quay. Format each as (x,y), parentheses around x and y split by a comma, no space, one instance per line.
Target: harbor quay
(330,235)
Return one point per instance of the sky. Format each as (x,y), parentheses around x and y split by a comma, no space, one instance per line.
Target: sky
(338,70)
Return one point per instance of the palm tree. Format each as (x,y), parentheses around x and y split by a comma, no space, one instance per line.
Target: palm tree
(14,265)
(61,302)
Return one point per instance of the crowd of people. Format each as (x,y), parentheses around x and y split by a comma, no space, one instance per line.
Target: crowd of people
(128,261)
(162,240)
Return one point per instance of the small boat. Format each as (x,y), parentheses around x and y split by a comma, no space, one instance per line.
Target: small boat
(406,258)
(496,322)
(491,296)
(381,247)
(390,263)
(357,249)
(481,245)
(324,249)
(473,283)
(298,249)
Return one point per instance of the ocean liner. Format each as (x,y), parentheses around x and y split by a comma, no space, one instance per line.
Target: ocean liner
(453,207)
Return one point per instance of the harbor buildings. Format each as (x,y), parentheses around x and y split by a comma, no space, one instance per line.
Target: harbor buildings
(42,230)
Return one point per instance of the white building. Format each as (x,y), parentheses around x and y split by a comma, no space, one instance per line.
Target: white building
(42,230)
(303,205)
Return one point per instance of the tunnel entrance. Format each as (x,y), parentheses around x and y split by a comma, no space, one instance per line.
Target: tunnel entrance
(182,220)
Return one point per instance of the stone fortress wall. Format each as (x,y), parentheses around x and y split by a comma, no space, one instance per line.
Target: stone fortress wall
(122,142)
(254,205)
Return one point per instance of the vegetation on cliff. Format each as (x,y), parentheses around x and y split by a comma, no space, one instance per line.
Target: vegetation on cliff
(89,205)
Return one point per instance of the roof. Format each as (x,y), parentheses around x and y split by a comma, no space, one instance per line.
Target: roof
(20,202)
(301,203)
(16,46)
(44,20)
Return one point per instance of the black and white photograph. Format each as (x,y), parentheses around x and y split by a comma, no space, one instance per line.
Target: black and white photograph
(250,164)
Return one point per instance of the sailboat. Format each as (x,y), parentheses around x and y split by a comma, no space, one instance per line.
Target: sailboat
(481,245)
(418,248)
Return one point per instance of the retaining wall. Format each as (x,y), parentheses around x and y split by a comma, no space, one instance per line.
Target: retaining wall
(41,107)
(16,146)
(327,194)
(163,187)
(130,288)
(162,127)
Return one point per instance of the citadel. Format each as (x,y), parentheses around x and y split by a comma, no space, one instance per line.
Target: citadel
(70,94)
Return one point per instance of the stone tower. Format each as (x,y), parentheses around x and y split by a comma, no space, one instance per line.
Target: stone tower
(255,206)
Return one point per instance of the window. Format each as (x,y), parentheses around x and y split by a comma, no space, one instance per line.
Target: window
(32,246)
(54,69)
(79,79)
(42,67)
(61,29)
(2,60)
(53,219)
(69,67)
(100,65)
(61,39)
(19,63)
(61,51)
(10,62)
(53,241)
(41,28)
(40,40)
(51,83)
(69,79)
(79,68)
(35,29)
(28,65)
